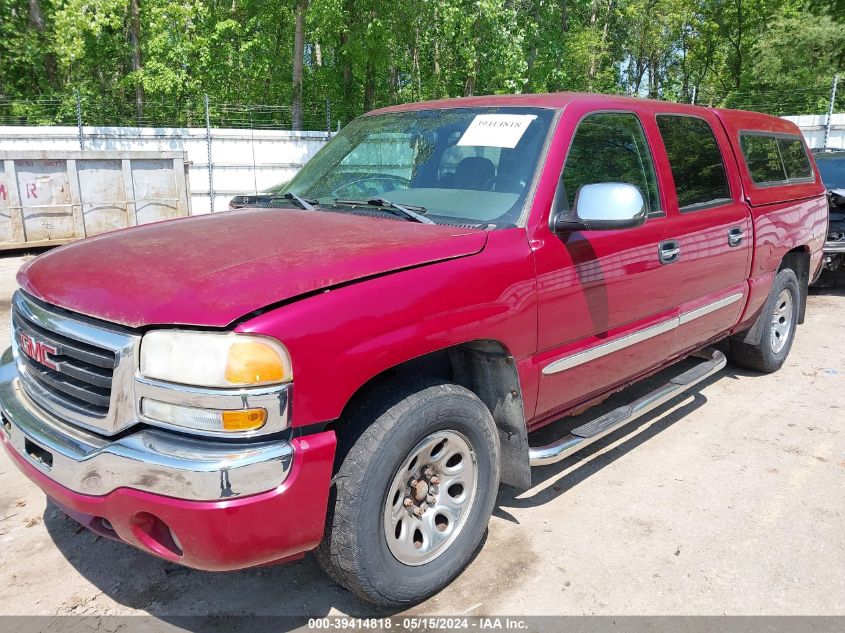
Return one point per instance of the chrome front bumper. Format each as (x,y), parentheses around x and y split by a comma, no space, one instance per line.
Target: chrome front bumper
(149,460)
(834,246)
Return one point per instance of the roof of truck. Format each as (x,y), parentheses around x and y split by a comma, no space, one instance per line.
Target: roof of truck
(734,122)
(742,118)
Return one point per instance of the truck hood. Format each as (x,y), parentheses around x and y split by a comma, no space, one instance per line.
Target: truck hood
(211,270)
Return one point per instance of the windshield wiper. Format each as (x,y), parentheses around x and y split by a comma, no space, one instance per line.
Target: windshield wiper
(306,204)
(408,212)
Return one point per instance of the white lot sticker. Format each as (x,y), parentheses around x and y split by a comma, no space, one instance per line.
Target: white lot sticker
(496,130)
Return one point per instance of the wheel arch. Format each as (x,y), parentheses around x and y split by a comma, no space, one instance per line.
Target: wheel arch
(797,260)
(486,368)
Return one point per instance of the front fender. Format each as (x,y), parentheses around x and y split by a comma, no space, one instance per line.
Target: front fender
(341,338)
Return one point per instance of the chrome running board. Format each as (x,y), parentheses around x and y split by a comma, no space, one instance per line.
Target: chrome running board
(581,437)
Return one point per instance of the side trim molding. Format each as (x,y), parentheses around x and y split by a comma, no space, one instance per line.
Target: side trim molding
(686,317)
(579,358)
(567,362)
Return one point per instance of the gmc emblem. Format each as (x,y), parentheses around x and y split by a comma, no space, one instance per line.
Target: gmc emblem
(37,350)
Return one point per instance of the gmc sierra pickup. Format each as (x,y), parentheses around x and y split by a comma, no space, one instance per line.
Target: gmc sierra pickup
(356,369)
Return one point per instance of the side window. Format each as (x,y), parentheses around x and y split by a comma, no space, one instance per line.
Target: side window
(775,159)
(795,159)
(695,161)
(763,158)
(610,147)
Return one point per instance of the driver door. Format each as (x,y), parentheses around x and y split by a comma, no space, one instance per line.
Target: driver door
(606,298)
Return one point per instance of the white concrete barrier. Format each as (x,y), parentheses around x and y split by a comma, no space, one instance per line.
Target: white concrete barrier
(813,127)
(243,161)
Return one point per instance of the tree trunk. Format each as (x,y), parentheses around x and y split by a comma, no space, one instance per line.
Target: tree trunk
(469,87)
(639,74)
(654,77)
(347,67)
(394,85)
(370,71)
(685,87)
(369,84)
(533,51)
(36,21)
(349,99)
(135,41)
(436,54)
(594,58)
(738,45)
(415,66)
(529,70)
(298,63)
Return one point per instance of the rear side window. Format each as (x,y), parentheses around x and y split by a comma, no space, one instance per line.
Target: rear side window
(696,162)
(795,159)
(610,147)
(774,159)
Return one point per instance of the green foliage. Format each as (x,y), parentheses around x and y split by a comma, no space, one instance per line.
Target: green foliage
(798,57)
(771,55)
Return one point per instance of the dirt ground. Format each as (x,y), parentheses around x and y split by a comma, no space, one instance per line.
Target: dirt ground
(728,501)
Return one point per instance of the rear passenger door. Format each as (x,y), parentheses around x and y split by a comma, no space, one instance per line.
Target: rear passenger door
(710,224)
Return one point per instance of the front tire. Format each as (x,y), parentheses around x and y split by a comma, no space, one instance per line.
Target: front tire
(780,318)
(412,497)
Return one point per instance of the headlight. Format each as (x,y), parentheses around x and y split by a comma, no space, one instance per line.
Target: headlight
(209,359)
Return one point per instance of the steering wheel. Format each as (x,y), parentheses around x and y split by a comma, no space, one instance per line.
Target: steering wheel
(394,182)
(511,184)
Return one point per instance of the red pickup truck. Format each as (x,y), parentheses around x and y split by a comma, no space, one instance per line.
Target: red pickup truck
(357,368)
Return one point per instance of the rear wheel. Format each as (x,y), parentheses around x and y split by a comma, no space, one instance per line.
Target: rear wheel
(413,495)
(780,317)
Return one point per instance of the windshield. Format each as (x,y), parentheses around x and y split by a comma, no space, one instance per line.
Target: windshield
(832,169)
(472,165)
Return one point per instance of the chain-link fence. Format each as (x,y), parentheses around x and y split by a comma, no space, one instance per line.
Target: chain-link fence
(80,110)
(814,98)
(241,148)
(86,110)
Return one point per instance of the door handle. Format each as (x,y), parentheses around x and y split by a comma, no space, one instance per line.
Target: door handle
(669,251)
(735,236)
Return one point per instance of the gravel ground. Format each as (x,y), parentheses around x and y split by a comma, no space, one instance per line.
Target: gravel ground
(727,501)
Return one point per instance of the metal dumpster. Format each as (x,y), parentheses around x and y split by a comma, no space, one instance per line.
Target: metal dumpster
(54,197)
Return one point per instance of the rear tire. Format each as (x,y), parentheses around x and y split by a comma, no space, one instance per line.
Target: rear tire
(780,317)
(433,443)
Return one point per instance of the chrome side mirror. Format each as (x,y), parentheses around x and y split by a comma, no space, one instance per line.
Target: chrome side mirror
(604,206)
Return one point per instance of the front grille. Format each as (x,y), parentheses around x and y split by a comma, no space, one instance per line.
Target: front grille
(82,375)
(69,364)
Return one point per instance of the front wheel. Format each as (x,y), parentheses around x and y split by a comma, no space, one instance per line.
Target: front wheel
(780,317)
(414,493)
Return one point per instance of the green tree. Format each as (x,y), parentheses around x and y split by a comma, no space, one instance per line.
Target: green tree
(151,61)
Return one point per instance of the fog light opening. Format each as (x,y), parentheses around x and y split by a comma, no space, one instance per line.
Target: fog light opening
(176,541)
(156,535)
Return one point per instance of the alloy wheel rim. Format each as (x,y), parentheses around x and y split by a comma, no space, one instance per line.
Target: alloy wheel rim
(430,498)
(781,321)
